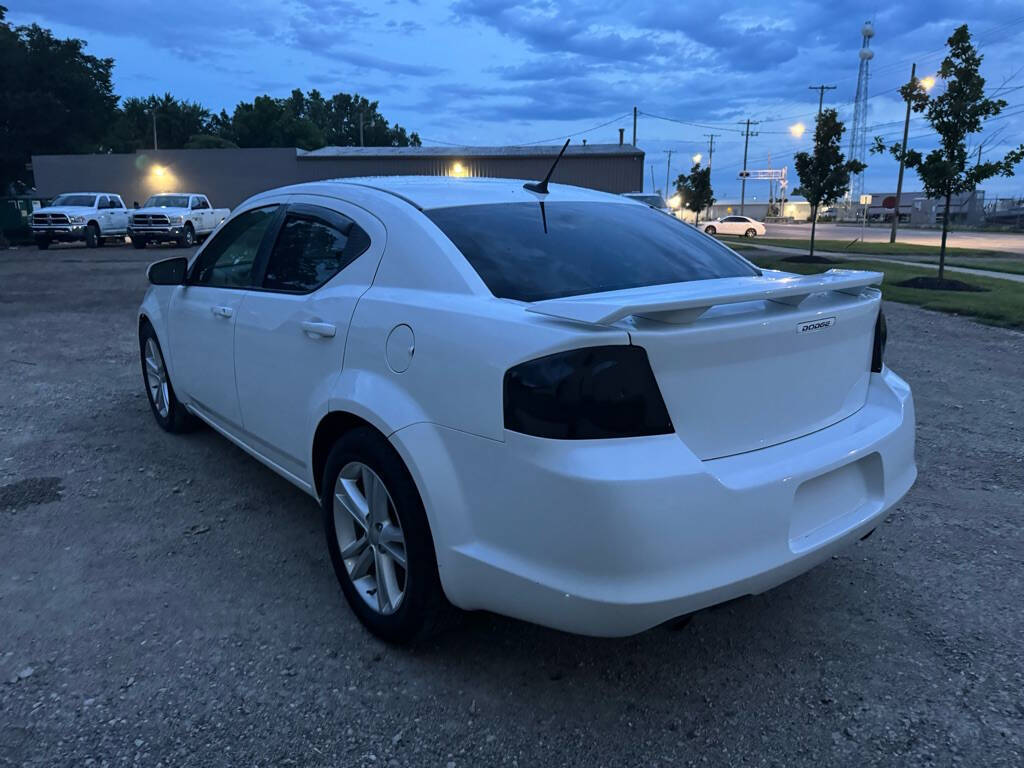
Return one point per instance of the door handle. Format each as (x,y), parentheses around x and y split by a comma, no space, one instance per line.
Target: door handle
(324,330)
(222,311)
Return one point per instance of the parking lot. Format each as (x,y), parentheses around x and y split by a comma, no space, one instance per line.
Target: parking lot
(167,600)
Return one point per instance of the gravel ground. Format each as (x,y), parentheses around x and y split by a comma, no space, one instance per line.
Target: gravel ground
(168,601)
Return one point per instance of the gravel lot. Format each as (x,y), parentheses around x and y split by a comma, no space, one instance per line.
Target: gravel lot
(168,601)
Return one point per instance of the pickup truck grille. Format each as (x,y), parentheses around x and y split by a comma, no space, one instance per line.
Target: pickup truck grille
(50,219)
(150,220)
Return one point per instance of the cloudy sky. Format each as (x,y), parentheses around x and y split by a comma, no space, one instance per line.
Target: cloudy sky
(508,72)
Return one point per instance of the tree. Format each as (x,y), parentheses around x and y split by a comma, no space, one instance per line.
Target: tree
(176,122)
(54,98)
(310,121)
(955,114)
(824,174)
(694,189)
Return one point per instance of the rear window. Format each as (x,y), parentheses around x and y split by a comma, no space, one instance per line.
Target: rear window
(533,251)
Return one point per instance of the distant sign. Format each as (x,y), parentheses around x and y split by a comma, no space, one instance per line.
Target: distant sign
(889,202)
(865,199)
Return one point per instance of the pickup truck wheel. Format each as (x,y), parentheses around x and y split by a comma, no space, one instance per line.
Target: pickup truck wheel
(138,242)
(710,230)
(92,236)
(42,243)
(188,239)
(751,233)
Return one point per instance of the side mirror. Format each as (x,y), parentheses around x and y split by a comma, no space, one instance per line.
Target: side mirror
(170,271)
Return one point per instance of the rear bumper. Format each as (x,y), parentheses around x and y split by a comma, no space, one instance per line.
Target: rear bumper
(611,537)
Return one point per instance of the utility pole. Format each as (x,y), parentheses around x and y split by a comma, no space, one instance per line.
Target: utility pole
(743,179)
(155,147)
(711,145)
(899,178)
(821,93)
(634,126)
(668,171)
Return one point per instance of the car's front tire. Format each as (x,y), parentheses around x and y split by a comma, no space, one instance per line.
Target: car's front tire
(42,243)
(751,233)
(188,238)
(92,236)
(168,411)
(710,230)
(379,538)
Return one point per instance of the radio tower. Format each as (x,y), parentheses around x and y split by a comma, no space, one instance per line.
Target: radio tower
(859,131)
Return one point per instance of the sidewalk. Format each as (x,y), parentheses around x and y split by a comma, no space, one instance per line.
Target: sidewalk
(890,260)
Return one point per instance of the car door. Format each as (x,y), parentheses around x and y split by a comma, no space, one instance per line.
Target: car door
(203,312)
(207,211)
(118,214)
(291,331)
(104,214)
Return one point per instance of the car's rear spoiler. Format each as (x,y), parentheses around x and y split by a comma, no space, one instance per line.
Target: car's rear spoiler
(685,302)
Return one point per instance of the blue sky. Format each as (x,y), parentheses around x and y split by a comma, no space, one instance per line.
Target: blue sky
(507,72)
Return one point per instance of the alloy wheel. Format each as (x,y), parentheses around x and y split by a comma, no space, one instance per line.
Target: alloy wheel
(370,537)
(156,379)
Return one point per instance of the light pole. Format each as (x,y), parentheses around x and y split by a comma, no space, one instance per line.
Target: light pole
(153,113)
(927,83)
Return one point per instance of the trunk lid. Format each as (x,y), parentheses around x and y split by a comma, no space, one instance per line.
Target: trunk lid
(745,363)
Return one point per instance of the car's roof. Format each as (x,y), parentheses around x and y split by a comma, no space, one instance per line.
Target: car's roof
(86,193)
(426,192)
(194,194)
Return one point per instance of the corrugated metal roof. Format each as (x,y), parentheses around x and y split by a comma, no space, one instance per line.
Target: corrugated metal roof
(591,150)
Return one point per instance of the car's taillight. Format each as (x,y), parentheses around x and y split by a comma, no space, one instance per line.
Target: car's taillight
(881,336)
(586,394)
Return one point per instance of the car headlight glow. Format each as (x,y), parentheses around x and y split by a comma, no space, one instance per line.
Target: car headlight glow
(77,219)
(176,220)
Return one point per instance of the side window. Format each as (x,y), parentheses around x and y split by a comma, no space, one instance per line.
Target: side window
(115,202)
(204,204)
(101,202)
(311,249)
(227,260)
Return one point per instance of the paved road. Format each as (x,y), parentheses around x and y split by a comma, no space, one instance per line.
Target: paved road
(167,601)
(989,241)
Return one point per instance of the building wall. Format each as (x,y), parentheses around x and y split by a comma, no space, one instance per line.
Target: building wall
(229,176)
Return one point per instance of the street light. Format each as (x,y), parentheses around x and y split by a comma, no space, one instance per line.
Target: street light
(797,130)
(928,82)
(697,158)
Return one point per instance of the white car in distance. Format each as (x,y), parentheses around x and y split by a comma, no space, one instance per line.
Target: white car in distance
(89,217)
(556,405)
(181,218)
(735,225)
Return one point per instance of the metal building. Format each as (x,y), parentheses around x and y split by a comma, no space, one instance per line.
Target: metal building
(229,176)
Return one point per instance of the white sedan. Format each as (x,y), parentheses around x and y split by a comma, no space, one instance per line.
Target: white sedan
(735,225)
(560,406)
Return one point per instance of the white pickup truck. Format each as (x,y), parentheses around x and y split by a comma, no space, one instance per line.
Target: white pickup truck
(88,216)
(181,217)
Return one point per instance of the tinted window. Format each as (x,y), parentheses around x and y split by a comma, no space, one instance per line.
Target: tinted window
(310,250)
(167,201)
(115,202)
(227,261)
(587,248)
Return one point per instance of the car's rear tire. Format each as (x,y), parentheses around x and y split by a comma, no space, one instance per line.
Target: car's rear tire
(379,538)
(92,236)
(42,243)
(138,242)
(168,411)
(710,230)
(751,233)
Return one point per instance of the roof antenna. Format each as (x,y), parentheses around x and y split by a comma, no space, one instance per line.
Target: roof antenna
(541,187)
